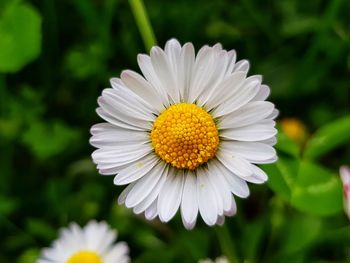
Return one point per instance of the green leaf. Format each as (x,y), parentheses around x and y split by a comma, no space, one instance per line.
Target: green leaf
(327,138)
(286,145)
(46,140)
(282,175)
(41,229)
(7,205)
(317,191)
(20,36)
(307,227)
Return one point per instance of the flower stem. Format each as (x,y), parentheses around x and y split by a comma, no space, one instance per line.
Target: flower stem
(228,247)
(142,21)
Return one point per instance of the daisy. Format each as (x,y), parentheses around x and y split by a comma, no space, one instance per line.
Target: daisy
(187,134)
(217,260)
(94,244)
(345,178)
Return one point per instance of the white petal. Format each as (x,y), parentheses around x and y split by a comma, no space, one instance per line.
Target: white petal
(144,186)
(246,115)
(153,194)
(125,115)
(270,141)
(259,174)
(245,93)
(235,164)
(172,50)
(232,56)
(170,196)
(136,170)
(201,74)
(209,87)
(164,72)
(274,114)
(120,154)
(226,89)
(108,135)
(233,209)
(144,89)
(242,65)
(147,69)
(151,212)
(263,93)
(113,120)
(221,220)
(118,253)
(206,198)
(121,96)
(185,69)
(251,151)
(235,184)
(189,203)
(255,132)
(124,194)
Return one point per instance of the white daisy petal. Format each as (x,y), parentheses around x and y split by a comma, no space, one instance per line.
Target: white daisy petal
(273,115)
(246,115)
(189,203)
(123,96)
(111,119)
(206,198)
(105,135)
(153,194)
(144,186)
(228,87)
(232,56)
(136,171)
(152,211)
(254,132)
(242,65)
(170,196)
(125,115)
(251,151)
(120,252)
(263,93)
(185,69)
(234,163)
(235,184)
(163,69)
(233,209)
(147,69)
(246,92)
(139,85)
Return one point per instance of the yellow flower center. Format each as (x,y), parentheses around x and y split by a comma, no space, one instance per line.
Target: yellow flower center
(85,256)
(185,136)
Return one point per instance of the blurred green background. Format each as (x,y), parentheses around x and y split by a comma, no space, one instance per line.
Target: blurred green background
(57,56)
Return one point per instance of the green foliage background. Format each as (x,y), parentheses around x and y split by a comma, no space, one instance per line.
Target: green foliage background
(57,56)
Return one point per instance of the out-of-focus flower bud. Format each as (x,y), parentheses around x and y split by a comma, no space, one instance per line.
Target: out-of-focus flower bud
(345,178)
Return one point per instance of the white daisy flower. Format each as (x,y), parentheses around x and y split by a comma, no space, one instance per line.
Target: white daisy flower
(217,260)
(185,135)
(94,244)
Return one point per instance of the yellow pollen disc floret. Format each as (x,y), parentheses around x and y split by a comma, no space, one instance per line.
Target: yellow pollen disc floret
(185,136)
(85,256)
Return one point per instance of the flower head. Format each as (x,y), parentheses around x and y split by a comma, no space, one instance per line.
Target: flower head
(92,244)
(187,134)
(345,178)
(217,260)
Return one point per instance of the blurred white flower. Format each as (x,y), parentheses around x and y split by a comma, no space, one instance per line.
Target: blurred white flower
(186,134)
(345,178)
(217,260)
(93,244)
